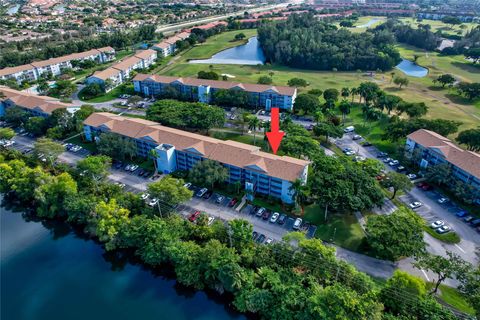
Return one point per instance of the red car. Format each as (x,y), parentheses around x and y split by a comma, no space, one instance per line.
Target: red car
(421,184)
(194,216)
(427,187)
(232,202)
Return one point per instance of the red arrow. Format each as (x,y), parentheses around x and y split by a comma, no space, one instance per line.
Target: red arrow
(275,136)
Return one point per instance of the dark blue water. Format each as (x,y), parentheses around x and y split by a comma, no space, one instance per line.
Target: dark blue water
(246,54)
(412,69)
(48,272)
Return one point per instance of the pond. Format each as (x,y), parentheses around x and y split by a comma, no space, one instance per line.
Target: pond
(50,272)
(412,69)
(246,54)
(13,10)
(370,23)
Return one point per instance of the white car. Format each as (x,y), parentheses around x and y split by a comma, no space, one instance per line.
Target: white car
(268,241)
(411,176)
(415,205)
(442,200)
(297,224)
(201,192)
(393,163)
(153,202)
(210,220)
(187,185)
(359,159)
(444,229)
(145,196)
(133,167)
(437,224)
(349,129)
(274,217)
(121,185)
(350,153)
(127,168)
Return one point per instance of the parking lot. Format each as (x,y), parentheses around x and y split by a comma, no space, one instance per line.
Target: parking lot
(221,210)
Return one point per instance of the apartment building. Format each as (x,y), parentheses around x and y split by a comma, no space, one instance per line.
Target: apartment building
(261,96)
(258,172)
(168,46)
(435,149)
(55,66)
(36,105)
(121,71)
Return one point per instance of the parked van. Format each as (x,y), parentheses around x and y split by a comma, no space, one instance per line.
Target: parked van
(349,129)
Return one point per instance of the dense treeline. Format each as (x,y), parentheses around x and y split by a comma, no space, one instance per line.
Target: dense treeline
(46,50)
(422,37)
(276,281)
(303,41)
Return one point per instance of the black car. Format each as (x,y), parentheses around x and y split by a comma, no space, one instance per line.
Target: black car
(475,222)
(253,210)
(366,144)
(266,215)
(140,172)
(282,219)
(118,165)
(261,238)
(146,174)
(208,194)
(254,235)
(382,154)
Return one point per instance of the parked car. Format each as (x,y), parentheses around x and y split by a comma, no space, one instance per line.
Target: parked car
(140,172)
(356,137)
(350,153)
(442,200)
(297,224)
(144,196)
(282,219)
(187,185)
(359,159)
(349,129)
(347,149)
(146,174)
(412,176)
(194,216)
(475,223)
(121,185)
(153,202)
(387,160)
(415,205)
(468,219)
(219,199)
(118,165)
(210,220)
(444,229)
(133,167)
(266,215)
(233,202)
(437,224)
(268,241)
(254,235)
(127,167)
(366,144)
(421,184)
(427,187)
(201,192)
(253,210)
(207,194)
(382,154)
(274,217)
(461,213)
(261,239)
(400,168)
(260,212)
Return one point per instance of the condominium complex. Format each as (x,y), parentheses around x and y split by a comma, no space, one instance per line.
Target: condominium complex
(55,66)
(435,149)
(168,46)
(120,71)
(258,172)
(36,105)
(260,96)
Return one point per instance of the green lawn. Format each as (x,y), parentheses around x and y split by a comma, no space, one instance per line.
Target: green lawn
(343,230)
(113,94)
(454,298)
(437,25)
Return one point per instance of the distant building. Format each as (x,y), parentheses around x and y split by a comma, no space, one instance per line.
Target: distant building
(121,71)
(36,105)
(258,172)
(263,96)
(168,46)
(435,149)
(55,66)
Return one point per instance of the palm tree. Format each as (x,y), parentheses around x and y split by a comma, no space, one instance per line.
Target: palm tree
(154,155)
(245,118)
(345,92)
(300,193)
(353,92)
(266,128)
(254,124)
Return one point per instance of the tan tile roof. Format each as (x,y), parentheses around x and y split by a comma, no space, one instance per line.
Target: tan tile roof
(13,70)
(183,35)
(126,63)
(172,40)
(162,45)
(283,90)
(466,160)
(228,152)
(145,54)
(107,73)
(31,101)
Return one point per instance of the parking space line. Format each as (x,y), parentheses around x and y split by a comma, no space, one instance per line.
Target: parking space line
(459,248)
(425,274)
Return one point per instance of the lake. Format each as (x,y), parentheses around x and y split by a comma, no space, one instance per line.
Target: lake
(369,23)
(49,272)
(412,69)
(246,54)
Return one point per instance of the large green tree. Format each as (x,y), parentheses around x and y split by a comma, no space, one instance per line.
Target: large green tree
(50,149)
(116,146)
(470,138)
(208,173)
(397,181)
(397,235)
(53,194)
(169,191)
